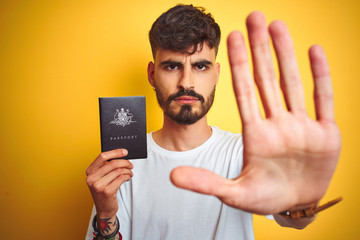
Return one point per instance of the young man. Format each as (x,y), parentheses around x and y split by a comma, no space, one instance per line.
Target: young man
(283,162)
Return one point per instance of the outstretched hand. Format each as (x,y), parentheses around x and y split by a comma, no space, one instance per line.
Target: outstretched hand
(289,159)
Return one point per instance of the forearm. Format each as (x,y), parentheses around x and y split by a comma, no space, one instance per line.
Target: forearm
(104,179)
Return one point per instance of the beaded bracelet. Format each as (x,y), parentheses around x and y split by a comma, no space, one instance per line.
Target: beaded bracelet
(309,212)
(99,237)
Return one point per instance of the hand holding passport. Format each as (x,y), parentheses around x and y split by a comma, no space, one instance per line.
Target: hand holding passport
(123,125)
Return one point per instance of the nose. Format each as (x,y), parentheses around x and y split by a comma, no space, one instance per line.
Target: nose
(186,80)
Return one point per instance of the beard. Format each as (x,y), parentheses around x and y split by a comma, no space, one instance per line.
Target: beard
(188,113)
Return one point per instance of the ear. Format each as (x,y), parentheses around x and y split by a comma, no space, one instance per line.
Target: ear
(150,72)
(217,70)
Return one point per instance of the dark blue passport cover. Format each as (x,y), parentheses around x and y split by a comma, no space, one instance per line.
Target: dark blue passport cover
(123,125)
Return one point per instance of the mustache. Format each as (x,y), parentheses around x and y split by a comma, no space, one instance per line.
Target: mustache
(185,92)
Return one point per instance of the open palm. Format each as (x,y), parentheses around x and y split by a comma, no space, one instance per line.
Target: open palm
(289,159)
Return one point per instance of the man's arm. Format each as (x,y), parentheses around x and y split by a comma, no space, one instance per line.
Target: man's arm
(104,178)
(289,158)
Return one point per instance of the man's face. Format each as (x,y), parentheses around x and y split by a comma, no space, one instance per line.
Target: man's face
(184,84)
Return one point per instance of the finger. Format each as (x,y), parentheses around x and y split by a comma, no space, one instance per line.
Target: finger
(243,84)
(289,73)
(112,187)
(200,180)
(111,176)
(104,157)
(108,168)
(242,193)
(323,93)
(262,62)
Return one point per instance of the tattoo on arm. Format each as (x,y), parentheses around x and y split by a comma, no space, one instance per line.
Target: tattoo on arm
(104,225)
(106,228)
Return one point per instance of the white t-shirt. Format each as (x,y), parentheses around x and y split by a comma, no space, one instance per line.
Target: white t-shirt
(151,207)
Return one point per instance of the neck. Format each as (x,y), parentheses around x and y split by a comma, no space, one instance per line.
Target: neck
(176,137)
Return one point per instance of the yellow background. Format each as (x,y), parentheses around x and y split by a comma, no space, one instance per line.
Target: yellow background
(57,58)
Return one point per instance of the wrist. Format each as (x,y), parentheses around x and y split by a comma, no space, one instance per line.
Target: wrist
(107,227)
(105,213)
(304,211)
(302,207)
(307,211)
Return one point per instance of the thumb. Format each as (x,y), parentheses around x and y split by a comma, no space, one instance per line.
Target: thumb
(201,181)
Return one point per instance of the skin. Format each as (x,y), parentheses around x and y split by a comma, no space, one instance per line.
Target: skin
(289,159)
(198,72)
(104,179)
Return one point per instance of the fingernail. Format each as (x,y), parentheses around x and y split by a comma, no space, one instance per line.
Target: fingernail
(124,152)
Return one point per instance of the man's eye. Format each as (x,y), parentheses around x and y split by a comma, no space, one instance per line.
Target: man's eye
(171,67)
(201,67)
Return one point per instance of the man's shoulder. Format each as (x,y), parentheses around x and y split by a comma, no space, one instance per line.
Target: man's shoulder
(220,133)
(226,139)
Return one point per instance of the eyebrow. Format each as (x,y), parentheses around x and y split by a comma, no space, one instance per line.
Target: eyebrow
(202,62)
(178,63)
(171,62)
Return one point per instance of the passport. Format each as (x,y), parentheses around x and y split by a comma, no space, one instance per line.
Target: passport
(123,125)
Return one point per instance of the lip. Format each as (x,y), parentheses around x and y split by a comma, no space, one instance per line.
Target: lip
(186,99)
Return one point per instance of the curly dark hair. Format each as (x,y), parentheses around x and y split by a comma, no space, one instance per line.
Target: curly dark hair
(184,27)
